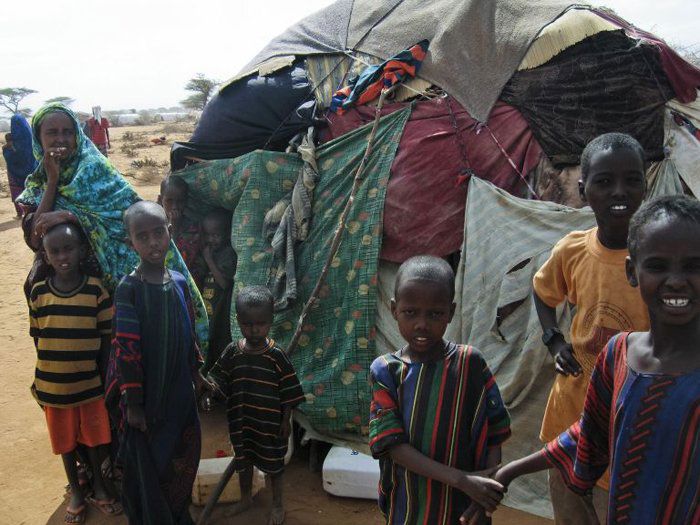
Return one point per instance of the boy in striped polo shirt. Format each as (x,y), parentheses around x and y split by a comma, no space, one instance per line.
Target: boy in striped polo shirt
(437,419)
(70,318)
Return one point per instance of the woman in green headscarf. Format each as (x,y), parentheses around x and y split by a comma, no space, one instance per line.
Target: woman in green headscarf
(74,182)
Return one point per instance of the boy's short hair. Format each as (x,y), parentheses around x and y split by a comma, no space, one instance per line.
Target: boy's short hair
(177,183)
(254,297)
(142,208)
(673,206)
(613,142)
(221,216)
(8,137)
(71,226)
(426,268)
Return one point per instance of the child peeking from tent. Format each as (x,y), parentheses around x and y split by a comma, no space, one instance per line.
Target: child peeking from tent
(587,270)
(185,231)
(153,376)
(642,407)
(437,419)
(217,267)
(261,388)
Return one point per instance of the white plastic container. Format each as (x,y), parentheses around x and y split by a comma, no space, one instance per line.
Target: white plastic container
(208,476)
(350,474)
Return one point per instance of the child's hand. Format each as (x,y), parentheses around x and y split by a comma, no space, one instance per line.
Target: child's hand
(474,515)
(482,489)
(564,361)
(136,417)
(202,384)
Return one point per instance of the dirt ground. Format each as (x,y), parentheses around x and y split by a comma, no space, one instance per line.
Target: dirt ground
(32,479)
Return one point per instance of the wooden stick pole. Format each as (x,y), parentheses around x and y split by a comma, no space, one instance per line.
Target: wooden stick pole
(216,494)
(338,236)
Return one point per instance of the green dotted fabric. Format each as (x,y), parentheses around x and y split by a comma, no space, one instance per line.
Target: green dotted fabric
(338,340)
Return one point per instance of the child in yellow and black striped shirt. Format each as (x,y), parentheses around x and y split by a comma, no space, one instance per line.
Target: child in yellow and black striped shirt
(70,321)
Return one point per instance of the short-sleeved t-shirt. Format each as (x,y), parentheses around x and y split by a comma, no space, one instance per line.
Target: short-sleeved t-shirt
(451,411)
(592,278)
(67,329)
(258,388)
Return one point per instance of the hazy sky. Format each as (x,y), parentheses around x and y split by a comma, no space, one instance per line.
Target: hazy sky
(140,53)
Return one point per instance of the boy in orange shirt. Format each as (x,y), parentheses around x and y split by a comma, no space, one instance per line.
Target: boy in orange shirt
(587,269)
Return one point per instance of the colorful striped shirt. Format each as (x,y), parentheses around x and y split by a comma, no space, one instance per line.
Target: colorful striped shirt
(67,328)
(646,427)
(451,411)
(258,387)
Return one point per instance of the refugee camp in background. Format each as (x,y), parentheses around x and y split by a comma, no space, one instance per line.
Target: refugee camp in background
(475,159)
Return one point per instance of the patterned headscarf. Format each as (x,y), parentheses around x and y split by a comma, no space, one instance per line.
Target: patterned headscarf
(93,190)
(85,157)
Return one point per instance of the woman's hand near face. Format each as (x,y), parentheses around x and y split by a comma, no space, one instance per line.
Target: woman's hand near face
(52,163)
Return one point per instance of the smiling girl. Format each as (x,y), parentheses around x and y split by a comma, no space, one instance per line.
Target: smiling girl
(642,410)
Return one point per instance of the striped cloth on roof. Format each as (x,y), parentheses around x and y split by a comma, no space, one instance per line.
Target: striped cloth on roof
(451,411)
(67,329)
(258,387)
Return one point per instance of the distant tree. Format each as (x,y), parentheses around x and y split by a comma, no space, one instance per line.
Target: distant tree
(202,89)
(66,101)
(10,99)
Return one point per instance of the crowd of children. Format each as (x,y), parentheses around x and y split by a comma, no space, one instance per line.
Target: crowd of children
(620,429)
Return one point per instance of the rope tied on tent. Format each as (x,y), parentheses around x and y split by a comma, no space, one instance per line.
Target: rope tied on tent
(483,126)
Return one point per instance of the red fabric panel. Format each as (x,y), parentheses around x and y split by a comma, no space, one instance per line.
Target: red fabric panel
(425,200)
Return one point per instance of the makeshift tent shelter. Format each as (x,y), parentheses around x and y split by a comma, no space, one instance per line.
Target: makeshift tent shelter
(510,92)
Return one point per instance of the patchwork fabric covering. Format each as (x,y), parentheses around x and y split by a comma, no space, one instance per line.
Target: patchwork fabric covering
(338,341)
(471,157)
(455,30)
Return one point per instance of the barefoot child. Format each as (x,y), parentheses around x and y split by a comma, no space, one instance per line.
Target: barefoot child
(437,420)
(217,270)
(70,320)
(642,407)
(185,231)
(261,389)
(153,369)
(587,269)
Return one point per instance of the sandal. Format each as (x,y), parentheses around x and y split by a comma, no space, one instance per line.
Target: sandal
(108,507)
(75,515)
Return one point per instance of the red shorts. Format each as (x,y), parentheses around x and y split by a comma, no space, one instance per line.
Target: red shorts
(87,424)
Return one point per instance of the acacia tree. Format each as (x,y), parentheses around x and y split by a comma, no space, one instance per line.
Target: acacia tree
(10,98)
(66,101)
(202,89)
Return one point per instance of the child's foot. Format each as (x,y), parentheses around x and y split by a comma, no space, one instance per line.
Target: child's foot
(243,505)
(108,507)
(75,514)
(276,516)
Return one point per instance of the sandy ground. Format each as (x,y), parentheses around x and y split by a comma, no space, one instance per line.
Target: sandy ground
(32,479)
